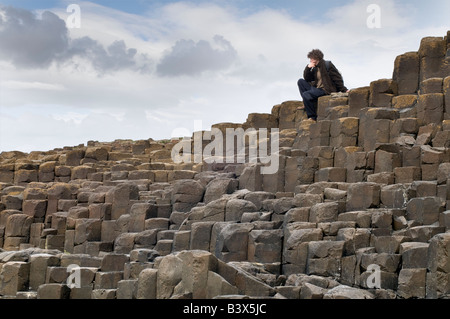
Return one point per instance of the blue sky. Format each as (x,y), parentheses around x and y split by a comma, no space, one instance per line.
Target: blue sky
(149,69)
(308,7)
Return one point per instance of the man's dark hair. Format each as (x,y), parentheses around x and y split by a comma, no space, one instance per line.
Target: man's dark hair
(316,54)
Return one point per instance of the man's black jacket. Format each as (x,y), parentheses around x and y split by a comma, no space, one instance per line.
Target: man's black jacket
(332,79)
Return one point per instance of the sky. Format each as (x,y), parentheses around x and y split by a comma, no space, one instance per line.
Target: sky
(106,70)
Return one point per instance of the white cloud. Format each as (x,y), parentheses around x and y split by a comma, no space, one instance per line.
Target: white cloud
(189,58)
(23,85)
(29,41)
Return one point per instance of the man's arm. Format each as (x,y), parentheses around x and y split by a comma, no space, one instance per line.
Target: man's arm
(309,74)
(337,79)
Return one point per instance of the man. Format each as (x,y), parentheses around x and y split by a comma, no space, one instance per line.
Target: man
(320,78)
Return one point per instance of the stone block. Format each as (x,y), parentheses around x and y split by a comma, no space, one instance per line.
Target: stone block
(127,289)
(439,247)
(320,133)
(7,174)
(104,293)
(381,92)
(164,246)
(87,230)
(265,246)
(218,187)
(251,178)
(107,280)
(14,277)
(82,172)
(169,275)
(442,139)
(382,219)
(403,103)
(331,174)
(74,157)
(353,239)
(139,213)
(324,212)
(323,106)
(181,241)
(387,280)
(414,255)
(406,73)
(430,108)
(38,269)
(97,153)
(201,236)
(12,201)
(394,196)
(147,284)
(287,114)
(425,210)
(431,85)
(47,172)
(124,243)
(411,283)
(300,214)
(55,241)
(325,154)
(351,158)
(213,211)
(120,197)
(53,291)
(446,91)
(232,242)
(386,262)
(387,161)
(357,100)
(346,292)
(407,174)
(18,225)
(24,176)
(423,189)
(373,131)
(275,182)
(348,126)
(114,262)
(424,233)
(324,249)
(186,194)
(157,223)
(235,208)
(291,174)
(363,196)
(432,58)
(35,208)
(444,219)
(100,211)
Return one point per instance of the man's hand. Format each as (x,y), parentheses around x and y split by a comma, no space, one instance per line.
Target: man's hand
(313,63)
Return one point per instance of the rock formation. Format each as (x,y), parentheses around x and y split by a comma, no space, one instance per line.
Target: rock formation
(359,206)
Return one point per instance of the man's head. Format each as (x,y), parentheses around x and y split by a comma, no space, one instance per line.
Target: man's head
(315,56)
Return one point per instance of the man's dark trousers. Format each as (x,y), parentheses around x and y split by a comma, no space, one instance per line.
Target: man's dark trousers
(310,95)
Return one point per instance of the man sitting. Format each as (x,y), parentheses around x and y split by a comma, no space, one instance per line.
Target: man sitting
(320,78)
